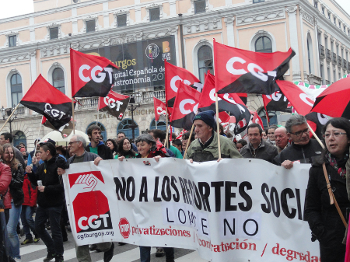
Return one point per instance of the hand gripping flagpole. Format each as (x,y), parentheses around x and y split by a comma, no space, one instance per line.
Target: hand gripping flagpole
(217,122)
(13,111)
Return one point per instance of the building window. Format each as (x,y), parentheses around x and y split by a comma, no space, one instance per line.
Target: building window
(309,54)
(334,76)
(205,61)
(329,15)
(154,14)
(12,40)
(19,138)
(121,20)
(125,126)
(329,74)
(326,43)
(263,44)
(58,79)
(161,125)
(315,4)
(258,1)
(90,26)
(53,33)
(340,25)
(272,118)
(199,6)
(323,10)
(335,20)
(322,76)
(16,89)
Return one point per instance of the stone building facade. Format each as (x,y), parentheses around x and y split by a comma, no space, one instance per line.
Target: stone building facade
(38,43)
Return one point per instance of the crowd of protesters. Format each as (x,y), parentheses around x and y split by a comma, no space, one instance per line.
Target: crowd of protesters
(31,183)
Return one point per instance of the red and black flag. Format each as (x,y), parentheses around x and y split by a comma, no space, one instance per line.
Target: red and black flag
(114,104)
(316,121)
(277,102)
(185,107)
(46,100)
(242,71)
(173,76)
(231,103)
(160,108)
(91,75)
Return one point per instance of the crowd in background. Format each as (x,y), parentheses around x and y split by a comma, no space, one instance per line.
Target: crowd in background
(33,196)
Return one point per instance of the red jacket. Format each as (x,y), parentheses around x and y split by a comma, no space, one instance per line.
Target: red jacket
(29,192)
(5,180)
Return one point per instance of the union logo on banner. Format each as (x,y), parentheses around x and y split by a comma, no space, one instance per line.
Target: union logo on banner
(91,208)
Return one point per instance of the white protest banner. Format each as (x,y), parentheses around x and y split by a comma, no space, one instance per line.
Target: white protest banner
(234,210)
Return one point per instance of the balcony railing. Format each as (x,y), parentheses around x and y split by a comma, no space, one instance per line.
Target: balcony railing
(345,64)
(339,61)
(334,58)
(142,97)
(328,55)
(321,50)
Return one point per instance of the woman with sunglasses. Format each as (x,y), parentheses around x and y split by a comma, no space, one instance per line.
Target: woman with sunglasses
(324,220)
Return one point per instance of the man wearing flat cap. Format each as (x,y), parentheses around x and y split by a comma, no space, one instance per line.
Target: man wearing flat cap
(205,147)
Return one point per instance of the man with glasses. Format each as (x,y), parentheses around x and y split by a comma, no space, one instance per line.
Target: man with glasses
(77,146)
(303,149)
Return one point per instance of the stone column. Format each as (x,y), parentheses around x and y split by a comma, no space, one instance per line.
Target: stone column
(293,35)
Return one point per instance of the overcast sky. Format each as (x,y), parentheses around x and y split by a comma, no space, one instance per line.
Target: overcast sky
(19,7)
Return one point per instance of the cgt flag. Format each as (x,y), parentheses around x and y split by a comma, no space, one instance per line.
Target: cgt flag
(231,103)
(173,76)
(160,108)
(46,100)
(91,75)
(114,104)
(242,71)
(185,107)
(276,102)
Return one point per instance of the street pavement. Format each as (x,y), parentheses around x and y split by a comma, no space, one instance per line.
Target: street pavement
(127,253)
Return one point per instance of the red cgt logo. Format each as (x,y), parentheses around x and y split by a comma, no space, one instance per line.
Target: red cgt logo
(124,227)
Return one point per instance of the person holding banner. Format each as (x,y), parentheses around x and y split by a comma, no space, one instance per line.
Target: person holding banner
(125,149)
(77,145)
(50,198)
(302,149)
(324,219)
(147,147)
(205,147)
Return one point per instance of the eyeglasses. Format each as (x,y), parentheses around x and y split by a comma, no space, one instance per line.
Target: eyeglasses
(71,143)
(335,134)
(299,133)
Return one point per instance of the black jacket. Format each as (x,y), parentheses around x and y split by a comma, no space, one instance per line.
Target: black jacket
(323,218)
(265,151)
(305,154)
(16,185)
(53,194)
(103,151)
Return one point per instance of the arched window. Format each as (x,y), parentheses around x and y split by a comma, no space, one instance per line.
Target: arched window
(16,89)
(103,130)
(125,126)
(18,138)
(58,79)
(272,117)
(205,61)
(161,125)
(263,45)
(309,53)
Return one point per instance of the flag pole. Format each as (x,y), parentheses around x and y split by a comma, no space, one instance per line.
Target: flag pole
(315,136)
(188,141)
(167,128)
(38,141)
(13,111)
(217,122)
(73,115)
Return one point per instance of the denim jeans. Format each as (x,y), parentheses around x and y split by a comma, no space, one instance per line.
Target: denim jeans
(145,254)
(28,221)
(55,244)
(14,215)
